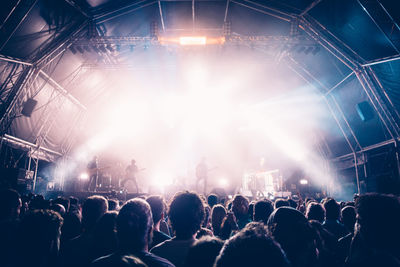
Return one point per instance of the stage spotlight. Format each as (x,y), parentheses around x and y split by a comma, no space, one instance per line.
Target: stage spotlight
(303,181)
(193,40)
(84,176)
(223,182)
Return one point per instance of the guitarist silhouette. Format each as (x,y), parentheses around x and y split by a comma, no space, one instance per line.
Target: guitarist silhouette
(130,175)
(93,171)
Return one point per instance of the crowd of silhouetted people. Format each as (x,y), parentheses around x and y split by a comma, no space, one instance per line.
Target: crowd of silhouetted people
(194,230)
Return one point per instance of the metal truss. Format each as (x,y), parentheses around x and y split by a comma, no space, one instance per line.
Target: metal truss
(383,21)
(14,19)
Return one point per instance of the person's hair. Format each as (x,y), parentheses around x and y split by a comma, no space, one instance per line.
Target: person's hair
(134,224)
(240,205)
(62,201)
(93,208)
(378,219)
(281,203)
(251,247)
(292,203)
(291,229)
(9,203)
(113,204)
(218,213)
(332,209)
(262,210)
(105,235)
(122,261)
(207,214)
(349,217)
(203,252)
(58,208)
(315,211)
(212,200)
(158,207)
(39,232)
(186,214)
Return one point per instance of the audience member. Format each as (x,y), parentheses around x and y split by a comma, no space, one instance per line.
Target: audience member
(123,261)
(204,252)
(80,251)
(186,214)
(377,232)
(240,207)
(291,230)
(158,208)
(10,206)
(349,218)
(332,217)
(60,209)
(113,204)
(281,203)
(262,210)
(315,211)
(251,247)
(212,200)
(218,213)
(39,232)
(105,235)
(134,229)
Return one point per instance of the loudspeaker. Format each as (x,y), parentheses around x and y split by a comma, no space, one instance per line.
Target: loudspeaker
(365,111)
(29,106)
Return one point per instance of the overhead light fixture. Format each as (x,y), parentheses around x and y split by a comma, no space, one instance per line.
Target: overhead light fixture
(193,40)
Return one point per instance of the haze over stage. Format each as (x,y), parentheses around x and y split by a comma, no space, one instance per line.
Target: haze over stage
(309,87)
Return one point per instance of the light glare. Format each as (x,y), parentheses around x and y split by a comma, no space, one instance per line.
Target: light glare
(193,40)
(84,176)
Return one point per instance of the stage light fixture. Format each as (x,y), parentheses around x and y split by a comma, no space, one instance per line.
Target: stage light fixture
(303,181)
(192,40)
(84,176)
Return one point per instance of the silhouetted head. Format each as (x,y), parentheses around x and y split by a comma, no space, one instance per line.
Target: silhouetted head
(315,211)
(281,203)
(158,207)
(39,233)
(240,205)
(203,252)
(212,200)
(251,247)
(93,208)
(218,213)
(186,213)
(10,204)
(262,210)
(291,230)
(378,220)
(134,225)
(332,209)
(349,217)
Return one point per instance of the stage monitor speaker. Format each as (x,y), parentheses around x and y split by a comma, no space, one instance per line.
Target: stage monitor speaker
(365,111)
(29,106)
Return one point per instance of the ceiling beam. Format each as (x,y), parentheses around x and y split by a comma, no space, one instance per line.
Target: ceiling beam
(311,6)
(161,16)
(14,20)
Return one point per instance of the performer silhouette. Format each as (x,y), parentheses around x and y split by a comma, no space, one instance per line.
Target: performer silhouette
(202,175)
(130,175)
(93,171)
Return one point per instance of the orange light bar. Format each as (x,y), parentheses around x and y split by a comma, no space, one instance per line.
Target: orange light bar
(193,40)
